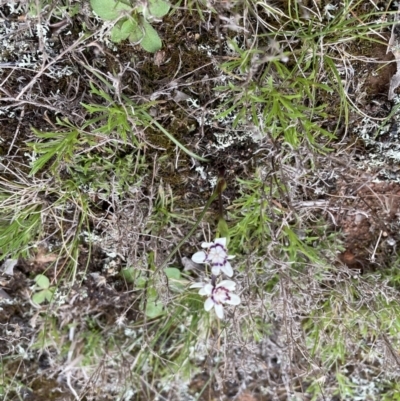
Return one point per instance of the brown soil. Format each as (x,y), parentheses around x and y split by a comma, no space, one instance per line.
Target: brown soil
(368,214)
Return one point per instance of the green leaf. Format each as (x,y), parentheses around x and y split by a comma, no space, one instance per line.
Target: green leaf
(123,29)
(129,26)
(39,297)
(136,34)
(176,283)
(42,281)
(132,275)
(108,9)
(158,8)
(151,42)
(153,309)
(223,229)
(60,145)
(128,274)
(172,273)
(20,232)
(49,294)
(44,295)
(116,34)
(141,282)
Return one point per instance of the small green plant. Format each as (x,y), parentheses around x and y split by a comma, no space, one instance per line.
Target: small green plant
(43,290)
(151,303)
(133,22)
(56,147)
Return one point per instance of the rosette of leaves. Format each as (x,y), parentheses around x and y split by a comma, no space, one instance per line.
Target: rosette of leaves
(133,21)
(43,291)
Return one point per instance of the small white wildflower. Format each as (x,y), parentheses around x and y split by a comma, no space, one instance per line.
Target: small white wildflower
(215,255)
(218,295)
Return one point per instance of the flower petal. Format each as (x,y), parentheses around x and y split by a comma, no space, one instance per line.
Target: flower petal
(197,285)
(219,310)
(206,290)
(207,244)
(234,299)
(216,270)
(227,269)
(231,257)
(228,284)
(208,305)
(199,257)
(221,241)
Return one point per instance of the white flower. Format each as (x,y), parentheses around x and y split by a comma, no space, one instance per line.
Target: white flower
(218,295)
(215,255)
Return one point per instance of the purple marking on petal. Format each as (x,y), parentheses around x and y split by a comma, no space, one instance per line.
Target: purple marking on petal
(234,299)
(218,246)
(227,269)
(221,241)
(217,264)
(228,284)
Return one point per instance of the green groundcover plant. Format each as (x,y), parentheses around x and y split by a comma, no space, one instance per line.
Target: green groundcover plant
(133,22)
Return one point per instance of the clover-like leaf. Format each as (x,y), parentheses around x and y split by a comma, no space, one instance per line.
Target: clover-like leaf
(109,9)
(44,295)
(49,294)
(133,276)
(42,281)
(158,8)
(154,306)
(154,309)
(39,297)
(151,42)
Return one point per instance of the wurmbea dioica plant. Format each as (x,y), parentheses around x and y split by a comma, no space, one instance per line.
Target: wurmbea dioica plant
(218,295)
(215,255)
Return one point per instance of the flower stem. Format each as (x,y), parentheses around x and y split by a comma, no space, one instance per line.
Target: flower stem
(196,224)
(221,185)
(222,227)
(219,188)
